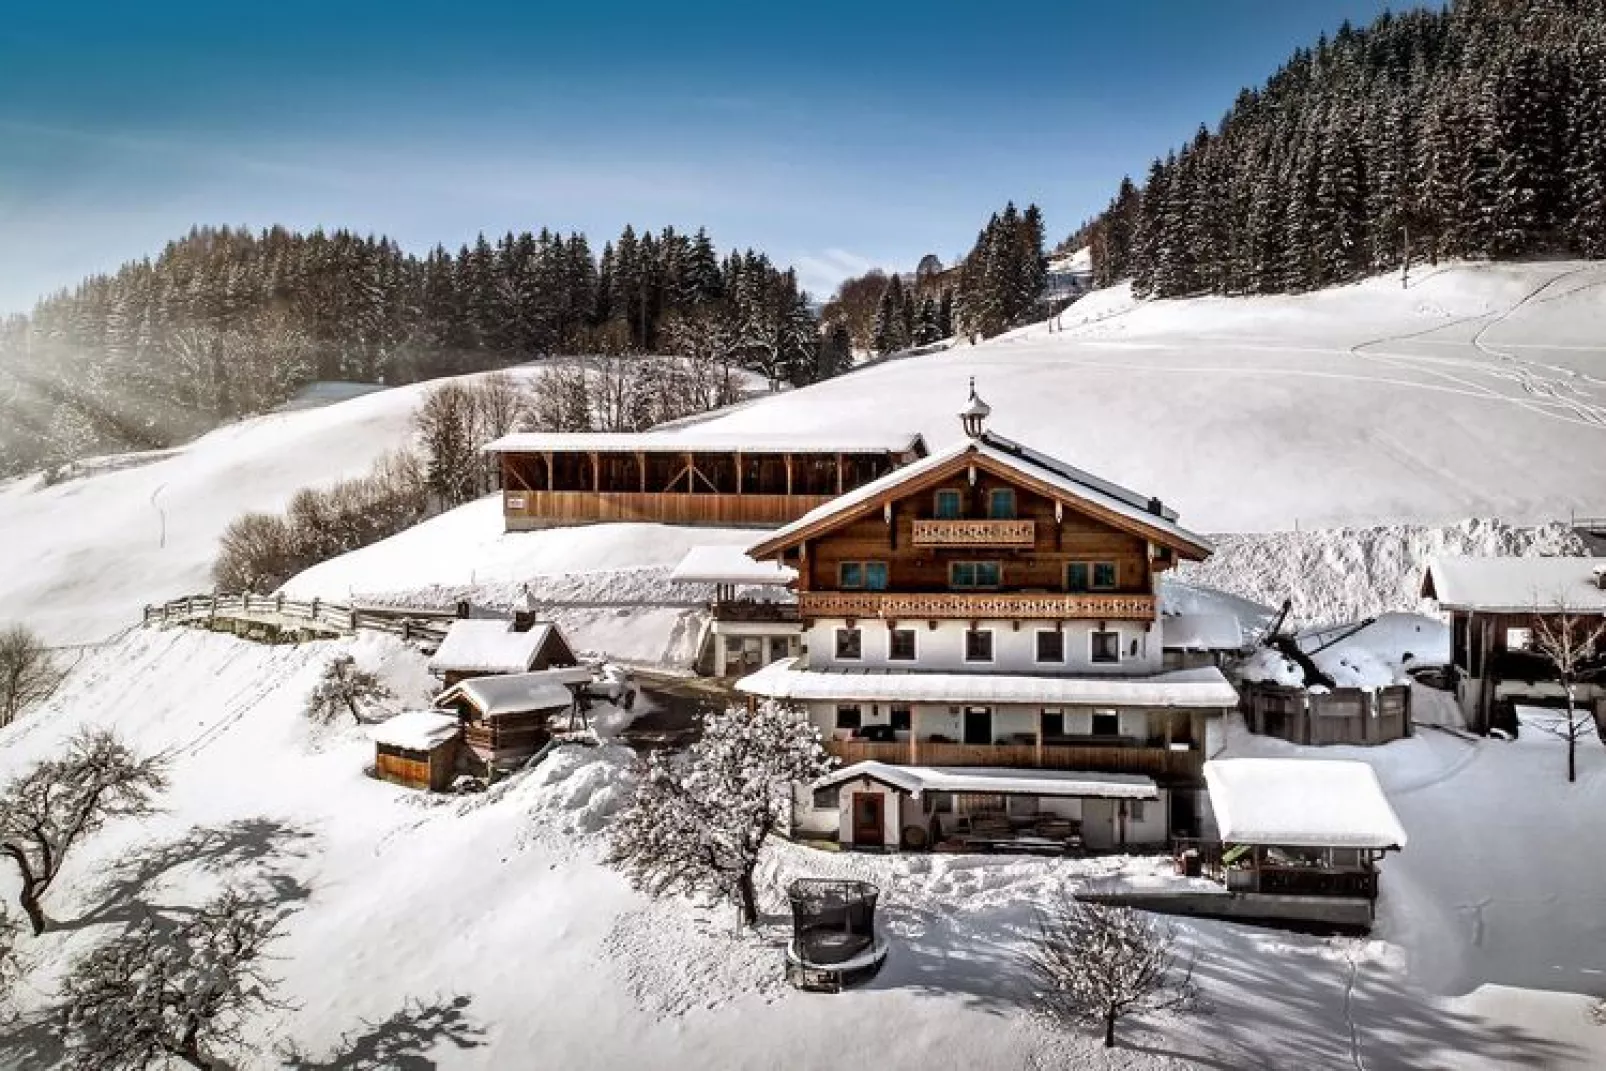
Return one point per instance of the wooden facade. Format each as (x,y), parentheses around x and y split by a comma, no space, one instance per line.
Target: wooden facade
(1341,716)
(431,770)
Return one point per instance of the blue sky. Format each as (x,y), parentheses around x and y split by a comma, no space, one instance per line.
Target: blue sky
(834,136)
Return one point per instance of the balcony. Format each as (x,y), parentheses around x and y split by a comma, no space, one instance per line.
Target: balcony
(755,610)
(1156,762)
(976,605)
(975,533)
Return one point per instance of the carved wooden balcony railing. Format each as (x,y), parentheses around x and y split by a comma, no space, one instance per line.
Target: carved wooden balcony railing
(972,606)
(975,533)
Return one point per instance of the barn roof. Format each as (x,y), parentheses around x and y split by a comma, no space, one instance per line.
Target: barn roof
(416,730)
(695,441)
(1118,505)
(518,693)
(1516,585)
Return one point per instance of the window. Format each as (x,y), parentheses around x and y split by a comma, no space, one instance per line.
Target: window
(1135,810)
(862,576)
(1051,645)
(780,647)
(1052,724)
(973,574)
(1001,504)
(825,799)
(902,719)
(949,505)
(901,645)
(1106,647)
(978,645)
(1091,576)
(978,725)
(849,644)
(1519,639)
(848,717)
(1106,723)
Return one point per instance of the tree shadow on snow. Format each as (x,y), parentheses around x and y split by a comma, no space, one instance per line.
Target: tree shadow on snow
(401,1042)
(977,955)
(1313,1007)
(259,849)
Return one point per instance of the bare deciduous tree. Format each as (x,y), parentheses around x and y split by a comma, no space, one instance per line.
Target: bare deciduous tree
(345,688)
(27,671)
(698,820)
(1574,646)
(45,812)
(161,992)
(1099,964)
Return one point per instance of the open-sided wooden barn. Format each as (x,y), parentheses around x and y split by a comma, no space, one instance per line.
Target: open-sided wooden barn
(418,749)
(506,718)
(685,477)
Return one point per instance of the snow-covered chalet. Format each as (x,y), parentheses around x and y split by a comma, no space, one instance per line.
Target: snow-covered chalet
(983,652)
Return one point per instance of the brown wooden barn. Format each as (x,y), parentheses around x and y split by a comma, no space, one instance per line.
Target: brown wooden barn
(506,719)
(481,647)
(418,749)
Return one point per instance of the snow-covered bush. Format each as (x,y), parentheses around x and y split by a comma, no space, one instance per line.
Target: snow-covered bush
(27,672)
(45,812)
(1097,963)
(345,688)
(158,992)
(698,820)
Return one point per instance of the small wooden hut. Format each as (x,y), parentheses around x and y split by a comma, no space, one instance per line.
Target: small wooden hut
(506,718)
(480,647)
(418,749)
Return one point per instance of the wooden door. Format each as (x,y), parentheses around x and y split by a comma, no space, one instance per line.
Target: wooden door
(869,818)
(978,725)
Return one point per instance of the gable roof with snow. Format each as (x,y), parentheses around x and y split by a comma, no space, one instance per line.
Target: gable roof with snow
(1203,688)
(492,645)
(1516,585)
(416,730)
(917,780)
(692,440)
(726,564)
(1301,803)
(518,693)
(1115,505)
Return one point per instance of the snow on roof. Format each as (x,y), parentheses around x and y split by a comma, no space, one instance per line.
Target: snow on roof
(729,565)
(488,645)
(1515,585)
(1201,632)
(1066,479)
(518,693)
(916,780)
(416,730)
(693,440)
(1301,803)
(1191,688)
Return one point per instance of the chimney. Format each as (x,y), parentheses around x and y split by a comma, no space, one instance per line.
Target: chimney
(461,609)
(1157,507)
(523,620)
(1599,573)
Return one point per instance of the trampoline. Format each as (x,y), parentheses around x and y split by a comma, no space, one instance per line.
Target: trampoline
(834,943)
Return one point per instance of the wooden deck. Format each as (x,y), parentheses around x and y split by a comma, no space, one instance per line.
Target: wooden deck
(535,509)
(1153,762)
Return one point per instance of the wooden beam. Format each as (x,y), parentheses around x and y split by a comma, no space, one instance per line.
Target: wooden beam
(839,474)
(738,472)
(551,480)
(788,473)
(641,462)
(596,474)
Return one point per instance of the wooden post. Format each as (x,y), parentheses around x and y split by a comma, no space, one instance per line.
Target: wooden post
(596,474)
(641,462)
(738,472)
(914,735)
(551,479)
(1037,752)
(839,474)
(788,474)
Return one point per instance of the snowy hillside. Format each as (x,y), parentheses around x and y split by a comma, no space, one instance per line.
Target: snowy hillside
(1480,391)
(471,933)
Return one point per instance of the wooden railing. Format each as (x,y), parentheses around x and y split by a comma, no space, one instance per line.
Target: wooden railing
(755,610)
(1150,761)
(277,609)
(980,533)
(996,605)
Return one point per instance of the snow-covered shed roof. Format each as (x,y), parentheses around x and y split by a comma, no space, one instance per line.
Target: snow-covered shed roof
(729,565)
(916,780)
(1123,506)
(416,730)
(1204,687)
(518,693)
(1516,585)
(1301,803)
(867,442)
(1201,632)
(489,645)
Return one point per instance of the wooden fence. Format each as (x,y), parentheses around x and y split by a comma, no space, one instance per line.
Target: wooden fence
(1341,716)
(283,615)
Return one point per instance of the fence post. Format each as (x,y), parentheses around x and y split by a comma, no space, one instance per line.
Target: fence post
(278,603)
(407,629)
(354,619)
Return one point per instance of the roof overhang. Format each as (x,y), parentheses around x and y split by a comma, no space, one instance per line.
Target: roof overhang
(918,780)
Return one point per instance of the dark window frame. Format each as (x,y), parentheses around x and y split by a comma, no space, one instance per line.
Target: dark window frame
(892,648)
(1059,637)
(858,644)
(992,649)
(1099,657)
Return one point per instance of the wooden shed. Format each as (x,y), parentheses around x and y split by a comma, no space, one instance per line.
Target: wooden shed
(481,647)
(506,718)
(417,749)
